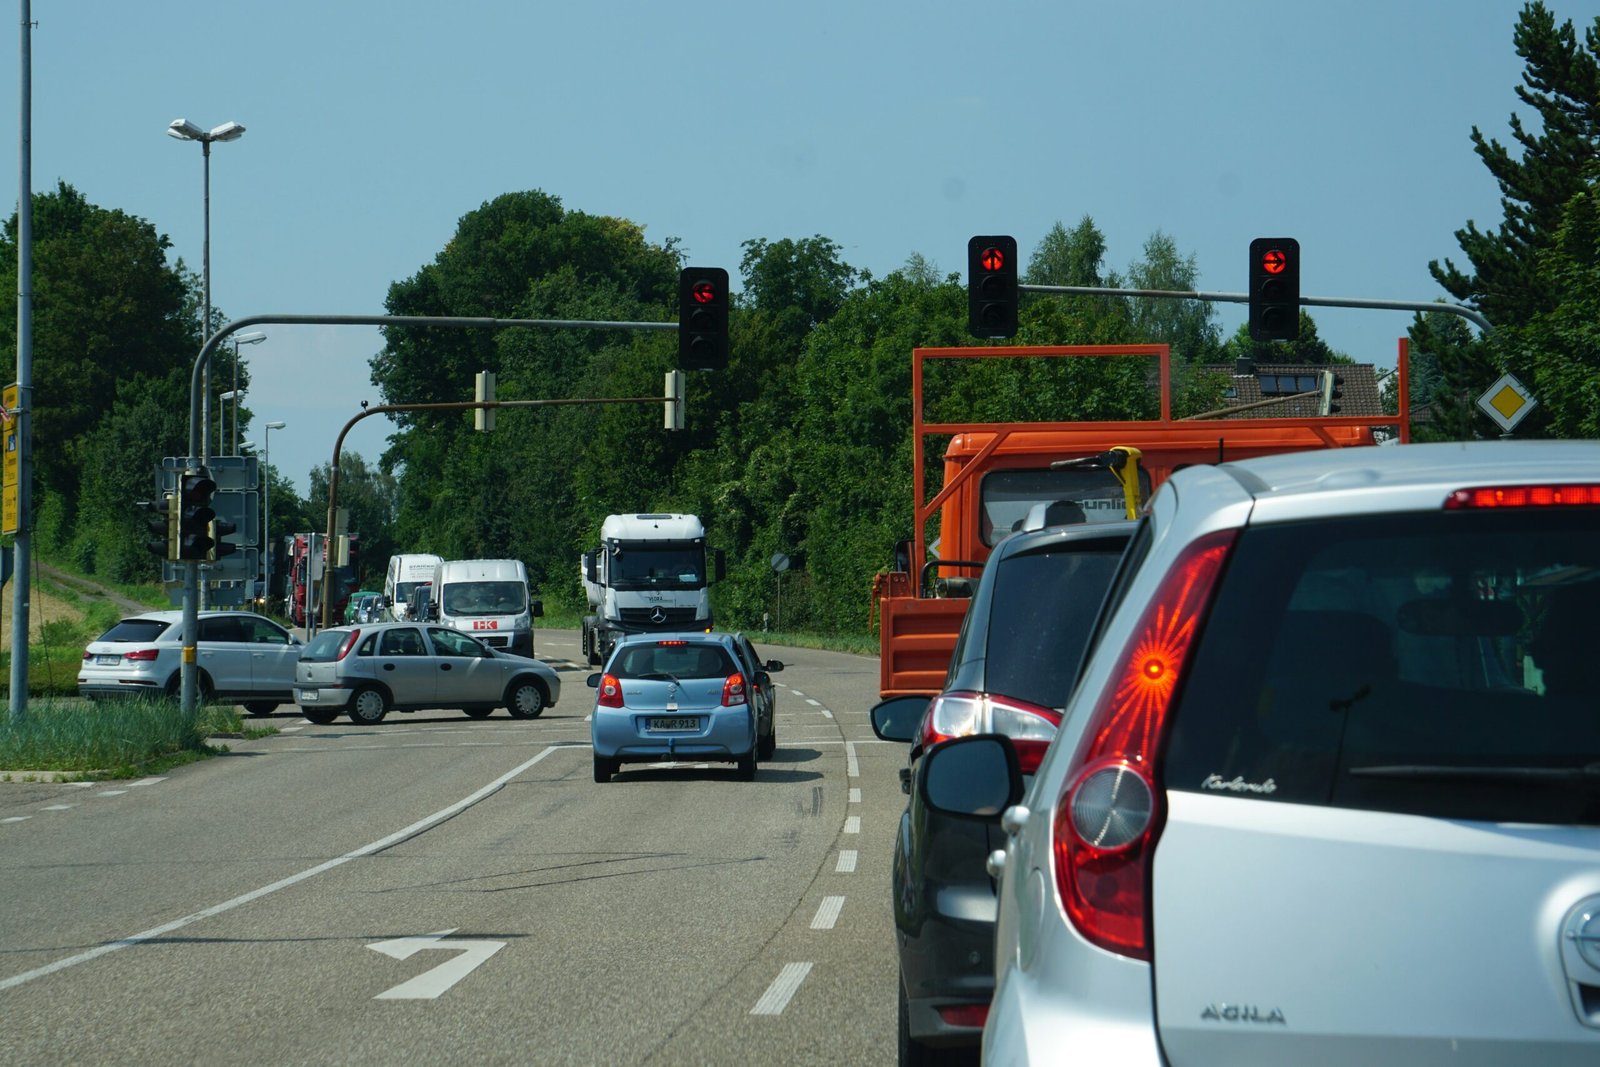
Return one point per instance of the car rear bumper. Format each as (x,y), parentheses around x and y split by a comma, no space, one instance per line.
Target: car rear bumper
(321,697)
(948,964)
(726,734)
(103,690)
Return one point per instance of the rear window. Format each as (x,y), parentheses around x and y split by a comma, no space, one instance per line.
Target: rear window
(1043,606)
(136,631)
(673,661)
(1007,496)
(324,647)
(1426,663)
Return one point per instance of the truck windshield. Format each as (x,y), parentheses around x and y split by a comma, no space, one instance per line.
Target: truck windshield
(485,598)
(1008,495)
(657,566)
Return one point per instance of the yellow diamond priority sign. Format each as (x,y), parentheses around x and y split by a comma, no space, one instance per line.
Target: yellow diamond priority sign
(1507,402)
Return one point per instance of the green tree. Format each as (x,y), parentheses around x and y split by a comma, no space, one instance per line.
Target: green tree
(370,496)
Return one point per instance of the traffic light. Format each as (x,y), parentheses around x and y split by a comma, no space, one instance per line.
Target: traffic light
(195,489)
(221,528)
(702,318)
(161,520)
(1274,289)
(992,287)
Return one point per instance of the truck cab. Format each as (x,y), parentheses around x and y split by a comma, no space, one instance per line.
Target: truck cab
(651,573)
(487,598)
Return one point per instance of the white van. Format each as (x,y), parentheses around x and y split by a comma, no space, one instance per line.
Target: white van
(487,598)
(405,574)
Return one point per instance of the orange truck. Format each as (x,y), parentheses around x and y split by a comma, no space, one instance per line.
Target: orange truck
(995,473)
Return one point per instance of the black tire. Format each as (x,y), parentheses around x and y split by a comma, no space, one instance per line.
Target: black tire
(604,769)
(768,745)
(478,713)
(320,716)
(526,698)
(747,767)
(368,706)
(205,692)
(260,707)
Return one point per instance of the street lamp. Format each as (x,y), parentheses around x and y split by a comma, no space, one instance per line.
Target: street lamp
(266,508)
(184,130)
(235,393)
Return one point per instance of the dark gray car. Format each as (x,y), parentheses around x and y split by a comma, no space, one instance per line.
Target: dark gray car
(1014,665)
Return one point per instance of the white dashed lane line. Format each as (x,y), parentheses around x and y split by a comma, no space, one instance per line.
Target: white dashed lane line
(852,768)
(782,989)
(852,825)
(827,913)
(814,703)
(17,818)
(855,796)
(60,807)
(111,793)
(847,861)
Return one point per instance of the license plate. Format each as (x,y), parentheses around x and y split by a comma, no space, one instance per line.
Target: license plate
(307,694)
(108,661)
(687,722)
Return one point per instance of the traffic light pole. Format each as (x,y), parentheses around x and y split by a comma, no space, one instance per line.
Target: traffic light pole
(191,576)
(1244,298)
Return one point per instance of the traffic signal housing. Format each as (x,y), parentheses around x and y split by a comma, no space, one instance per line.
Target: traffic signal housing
(702,318)
(992,287)
(161,520)
(195,490)
(1274,289)
(221,528)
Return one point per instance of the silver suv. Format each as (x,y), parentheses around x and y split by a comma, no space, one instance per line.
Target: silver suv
(1329,790)
(242,656)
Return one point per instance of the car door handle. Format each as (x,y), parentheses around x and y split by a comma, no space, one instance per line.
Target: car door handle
(444,666)
(388,666)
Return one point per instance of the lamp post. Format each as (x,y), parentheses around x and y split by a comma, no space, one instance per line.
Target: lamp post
(235,393)
(184,130)
(266,508)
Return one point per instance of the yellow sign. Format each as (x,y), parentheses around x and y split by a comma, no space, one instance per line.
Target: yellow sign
(11,468)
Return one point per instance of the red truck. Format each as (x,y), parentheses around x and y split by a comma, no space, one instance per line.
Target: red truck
(344,580)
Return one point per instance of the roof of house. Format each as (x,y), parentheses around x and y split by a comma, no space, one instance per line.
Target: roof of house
(1295,390)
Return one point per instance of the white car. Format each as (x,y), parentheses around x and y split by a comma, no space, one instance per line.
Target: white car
(367,671)
(1328,790)
(242,657)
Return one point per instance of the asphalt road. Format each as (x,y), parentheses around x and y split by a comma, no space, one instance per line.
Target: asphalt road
(438,889)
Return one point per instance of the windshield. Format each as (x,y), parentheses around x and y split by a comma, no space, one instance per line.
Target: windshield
(1340,651)
(680,565)
(485,598)
(402,590)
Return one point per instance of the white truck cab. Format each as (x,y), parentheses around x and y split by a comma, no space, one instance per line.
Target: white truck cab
(406,572)
(487,598)
(652,572)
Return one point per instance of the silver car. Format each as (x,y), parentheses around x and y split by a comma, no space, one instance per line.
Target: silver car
(1329,789)
(368,671)
(241,656)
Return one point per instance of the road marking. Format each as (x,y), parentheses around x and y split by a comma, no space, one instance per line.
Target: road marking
(291,729)
(847,861)
(797,692)
(852,769)
(111,793)
(852,825)
(431,983)
(814,703)
(855,796)
(149,781)
(782,989)
(425,823)
(60,807)
(827,714)
(827,913)
(17,818)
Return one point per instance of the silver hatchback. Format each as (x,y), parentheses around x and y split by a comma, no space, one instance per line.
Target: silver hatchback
(368,671)
(1329,789)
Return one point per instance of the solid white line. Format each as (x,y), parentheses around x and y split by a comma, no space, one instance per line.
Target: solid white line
(852,769)
(379,845)
(855,796)
(847,861)
(827,913)
(783,987)
(852,825)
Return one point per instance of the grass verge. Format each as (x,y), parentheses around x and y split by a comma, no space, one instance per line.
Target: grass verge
(114,738)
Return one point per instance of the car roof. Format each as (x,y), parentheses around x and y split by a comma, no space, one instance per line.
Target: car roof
(1051,536)
(176,615)
(715,637)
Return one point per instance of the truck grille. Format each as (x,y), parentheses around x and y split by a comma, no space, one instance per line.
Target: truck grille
(658,618)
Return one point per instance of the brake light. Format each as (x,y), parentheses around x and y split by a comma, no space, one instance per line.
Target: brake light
(1108,819)
(610,692)
(961,713)
(1524,496)
(661,643)
(349,643)
(733,691)
(973,1015)
(141,654)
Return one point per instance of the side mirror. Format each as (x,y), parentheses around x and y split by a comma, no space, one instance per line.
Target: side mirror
(538,609)
(975,777)
(589,568)
(898,718)
(593,681)
(774,666)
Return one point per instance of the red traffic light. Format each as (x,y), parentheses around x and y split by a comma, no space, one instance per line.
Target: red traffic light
(1274,261)
(992,259)
(703,292)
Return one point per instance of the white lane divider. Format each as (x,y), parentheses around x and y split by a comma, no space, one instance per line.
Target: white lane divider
(148,781)
(852,825)
(847,861)
(782,989)
(111,793)
(814,703)
(60,807)
(17,818)
(855,796)
(827,913)
(826,714)
(851,767)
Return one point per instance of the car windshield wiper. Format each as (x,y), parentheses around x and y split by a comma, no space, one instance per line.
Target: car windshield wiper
(658,677)
(1588,775)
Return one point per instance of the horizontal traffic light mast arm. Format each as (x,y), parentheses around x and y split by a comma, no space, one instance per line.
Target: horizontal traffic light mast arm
(445,321)
(1244,298)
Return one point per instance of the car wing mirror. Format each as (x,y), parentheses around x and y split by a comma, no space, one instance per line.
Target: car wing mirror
(774,666)
(976,777)
(898,718)
(538,609)
(593,681)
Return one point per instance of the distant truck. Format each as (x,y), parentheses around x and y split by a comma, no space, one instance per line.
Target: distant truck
(649,574)
(405,573)
(487,598)
(336,582)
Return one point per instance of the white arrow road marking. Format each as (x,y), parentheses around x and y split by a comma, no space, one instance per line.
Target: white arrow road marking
(430,984)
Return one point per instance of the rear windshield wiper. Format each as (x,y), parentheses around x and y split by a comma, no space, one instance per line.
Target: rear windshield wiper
(1587,775)
(658,677)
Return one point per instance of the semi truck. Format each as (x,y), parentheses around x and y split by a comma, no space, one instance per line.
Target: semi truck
(995,474)
(339,582)
(648,574)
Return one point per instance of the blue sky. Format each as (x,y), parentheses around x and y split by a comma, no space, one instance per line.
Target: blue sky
(890,127)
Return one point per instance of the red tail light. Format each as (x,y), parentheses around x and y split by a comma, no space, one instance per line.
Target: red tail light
(1108,818)
(1524,496)
(961,713)
(973,1015)
(610,692)
(349,643)
(733,693)
(140,654)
